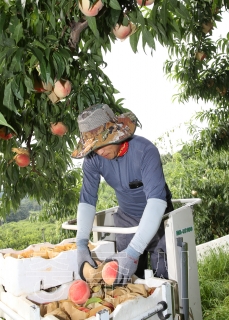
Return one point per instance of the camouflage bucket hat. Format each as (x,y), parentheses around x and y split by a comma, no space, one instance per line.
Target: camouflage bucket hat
(99,126)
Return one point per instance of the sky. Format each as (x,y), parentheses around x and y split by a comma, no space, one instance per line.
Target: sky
(148,92)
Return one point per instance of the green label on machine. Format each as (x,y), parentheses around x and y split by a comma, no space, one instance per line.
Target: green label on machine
(185,230)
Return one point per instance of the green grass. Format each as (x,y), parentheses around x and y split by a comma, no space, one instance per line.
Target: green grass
(214,285)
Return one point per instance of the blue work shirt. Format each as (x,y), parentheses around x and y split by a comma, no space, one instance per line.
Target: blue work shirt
(142,162)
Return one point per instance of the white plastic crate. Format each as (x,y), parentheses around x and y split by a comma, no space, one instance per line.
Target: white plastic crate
(136,309)
(27,275)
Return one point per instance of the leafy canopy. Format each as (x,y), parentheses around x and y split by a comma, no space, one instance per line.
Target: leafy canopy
(44,41)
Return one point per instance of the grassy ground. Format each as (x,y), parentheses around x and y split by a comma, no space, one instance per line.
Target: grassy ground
(214,285)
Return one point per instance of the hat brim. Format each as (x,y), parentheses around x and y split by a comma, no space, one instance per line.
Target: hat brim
(111,132)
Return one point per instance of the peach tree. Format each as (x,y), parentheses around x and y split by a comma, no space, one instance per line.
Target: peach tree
(200,65)
(52,66)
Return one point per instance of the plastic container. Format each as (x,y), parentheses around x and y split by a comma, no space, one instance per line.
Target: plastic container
(138,308)
(28,275)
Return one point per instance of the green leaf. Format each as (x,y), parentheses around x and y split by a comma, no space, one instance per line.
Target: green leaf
(18,33)
(3,122)
(87,45)
(181,13)
(18,56)
(3,54)
(93,26)
(28,84)
(2,20)
(148,37)
(51,37)
(184,10)
(65,53)
(125,21)
(16,88)
(93,300)
(39,55)
(176,27)
(8,99)
(53,21)
(134,38)
(17,64)
(140,18)
(173,3)
(38,44)
(114,4)
(14,21)
(80,102)
(161,29)
(164,13)
(114,16)
(153,15)
(60,64)
(97,58)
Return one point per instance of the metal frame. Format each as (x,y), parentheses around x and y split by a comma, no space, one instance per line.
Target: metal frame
(181,252)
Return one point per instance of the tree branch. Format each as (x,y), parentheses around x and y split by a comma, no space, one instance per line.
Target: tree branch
(76,29)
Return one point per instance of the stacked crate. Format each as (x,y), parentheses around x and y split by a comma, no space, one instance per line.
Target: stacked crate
(38,278)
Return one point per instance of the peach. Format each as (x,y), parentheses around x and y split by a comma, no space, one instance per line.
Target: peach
(22,160)
(4,135)
(92,275)
(40,86)
(222,91)
(109,272)
(39,89)
(79,292)
(207,27)
(88,10)
(200,55)
(84,309)
(121,32)
(147,3)
(58,129)
(62,88)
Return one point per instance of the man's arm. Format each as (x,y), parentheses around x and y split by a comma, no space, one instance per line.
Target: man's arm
(148,226)
(86,214)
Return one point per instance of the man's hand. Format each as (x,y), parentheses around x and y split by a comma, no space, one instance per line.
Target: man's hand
(83,256)
(127,264)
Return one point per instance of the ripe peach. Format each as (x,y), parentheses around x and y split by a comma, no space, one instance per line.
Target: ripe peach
(200,55)
(210,83)
(88,10)
(147,3)
(83,309)
(39,89)
(58,129)
(40,86)
(79,292)
(207,27)
(121,32)
(22,160)
(62,88)
(109,272)
(222,91)
(4,135)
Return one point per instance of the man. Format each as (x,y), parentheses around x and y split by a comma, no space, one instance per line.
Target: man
(132,166)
